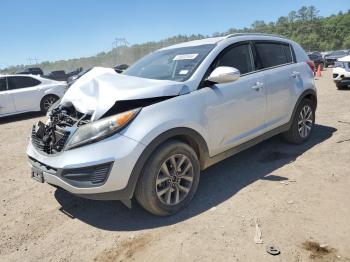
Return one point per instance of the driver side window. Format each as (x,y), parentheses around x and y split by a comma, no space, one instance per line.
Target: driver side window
(240,57)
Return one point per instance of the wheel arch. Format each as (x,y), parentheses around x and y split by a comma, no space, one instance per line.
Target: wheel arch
(307,94)
(183,134)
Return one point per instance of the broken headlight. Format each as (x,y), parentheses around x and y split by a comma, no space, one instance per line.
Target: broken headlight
(101,129)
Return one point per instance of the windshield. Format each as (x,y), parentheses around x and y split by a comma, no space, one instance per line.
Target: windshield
(176,64)
(339,53)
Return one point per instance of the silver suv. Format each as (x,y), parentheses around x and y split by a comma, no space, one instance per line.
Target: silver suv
(151,130)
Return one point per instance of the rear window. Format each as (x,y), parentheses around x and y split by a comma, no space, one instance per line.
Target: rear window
(16,82)
(274,54)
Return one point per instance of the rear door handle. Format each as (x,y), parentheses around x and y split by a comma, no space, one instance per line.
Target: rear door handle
(295,74)
(257,86)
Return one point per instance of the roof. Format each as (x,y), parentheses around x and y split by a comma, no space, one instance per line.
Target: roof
(205,41)
(215,40)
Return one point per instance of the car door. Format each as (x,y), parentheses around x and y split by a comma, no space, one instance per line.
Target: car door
(6,100)
(236,111)
(25,91)
(275,60)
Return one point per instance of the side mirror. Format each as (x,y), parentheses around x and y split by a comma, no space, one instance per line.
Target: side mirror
(224,74)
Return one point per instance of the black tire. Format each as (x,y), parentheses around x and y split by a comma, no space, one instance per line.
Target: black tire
(46,102)
(340,86)
(293,135)
(147,191)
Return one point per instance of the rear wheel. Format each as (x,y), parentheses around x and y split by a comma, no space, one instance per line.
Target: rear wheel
(302,123)
(169,180)
(47,102)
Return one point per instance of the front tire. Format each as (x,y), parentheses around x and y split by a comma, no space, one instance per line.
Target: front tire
(302,123)
(169,179)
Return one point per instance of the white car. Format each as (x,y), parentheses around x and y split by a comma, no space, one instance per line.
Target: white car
(26,93)
(341,72)
(149,131)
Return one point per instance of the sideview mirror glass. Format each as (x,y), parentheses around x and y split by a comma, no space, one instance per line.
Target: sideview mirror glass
(224,74)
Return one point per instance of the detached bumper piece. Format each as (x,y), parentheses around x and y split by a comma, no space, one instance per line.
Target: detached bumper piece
(85,177)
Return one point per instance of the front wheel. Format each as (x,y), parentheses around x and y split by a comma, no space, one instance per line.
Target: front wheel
(302,123)
(169,180)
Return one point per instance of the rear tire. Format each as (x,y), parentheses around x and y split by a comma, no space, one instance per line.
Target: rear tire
(169,179)
(302,123)
(46,102)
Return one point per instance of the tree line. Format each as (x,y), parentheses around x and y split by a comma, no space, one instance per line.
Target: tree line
(305,26)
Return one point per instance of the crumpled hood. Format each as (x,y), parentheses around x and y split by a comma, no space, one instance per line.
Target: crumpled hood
(99,89)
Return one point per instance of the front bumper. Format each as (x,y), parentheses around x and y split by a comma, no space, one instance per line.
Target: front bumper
(341,76)
(79,170)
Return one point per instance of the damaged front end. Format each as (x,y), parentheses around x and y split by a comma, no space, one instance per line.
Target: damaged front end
(97,106)
(52,137)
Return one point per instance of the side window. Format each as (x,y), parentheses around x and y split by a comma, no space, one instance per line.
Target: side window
(288,52)
(273,54)
(239,57)
(16,82)
(3,84)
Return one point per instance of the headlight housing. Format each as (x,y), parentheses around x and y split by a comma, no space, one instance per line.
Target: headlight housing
(101,129)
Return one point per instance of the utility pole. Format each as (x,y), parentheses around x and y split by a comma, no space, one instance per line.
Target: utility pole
(30,60)
(117,43)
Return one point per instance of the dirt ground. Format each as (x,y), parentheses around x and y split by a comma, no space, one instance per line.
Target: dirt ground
(299,195)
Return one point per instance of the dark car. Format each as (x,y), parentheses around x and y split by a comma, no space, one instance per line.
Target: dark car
(31,71)
(73,78)
(316,57)
(59,75)
(120,68)
(332,57)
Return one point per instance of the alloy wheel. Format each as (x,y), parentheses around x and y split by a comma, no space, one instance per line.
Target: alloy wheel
(48,102)
(305,121)
(174,179)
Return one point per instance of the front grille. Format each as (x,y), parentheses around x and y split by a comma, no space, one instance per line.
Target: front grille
(61,138)
(37,142)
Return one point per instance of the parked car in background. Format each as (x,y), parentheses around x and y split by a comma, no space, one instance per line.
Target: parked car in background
(120,68)
(150,131)
(24,93)
(73,78)
(317,58)
(333,56)
(31,71)
(341,72)
(58,75)
(325,53)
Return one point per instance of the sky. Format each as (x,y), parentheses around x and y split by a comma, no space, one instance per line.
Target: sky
(63,29)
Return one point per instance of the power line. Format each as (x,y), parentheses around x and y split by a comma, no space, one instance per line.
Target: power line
(118,42)
(30,60)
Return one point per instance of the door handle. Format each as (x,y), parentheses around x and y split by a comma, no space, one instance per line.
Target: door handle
(257,86)
(295,74)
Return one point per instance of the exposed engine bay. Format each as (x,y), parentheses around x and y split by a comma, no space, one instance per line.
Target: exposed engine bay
(52,136)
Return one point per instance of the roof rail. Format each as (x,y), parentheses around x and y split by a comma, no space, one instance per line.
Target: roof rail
(257,34)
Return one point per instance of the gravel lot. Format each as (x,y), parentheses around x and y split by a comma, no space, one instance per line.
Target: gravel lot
(299,195)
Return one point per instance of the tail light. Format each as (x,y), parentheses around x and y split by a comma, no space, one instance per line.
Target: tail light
(311,65)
